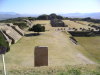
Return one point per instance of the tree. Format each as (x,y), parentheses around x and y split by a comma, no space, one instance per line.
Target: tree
(59,17)
(86,19)
(31,18)
(43,17)
(52,16)
(38,28)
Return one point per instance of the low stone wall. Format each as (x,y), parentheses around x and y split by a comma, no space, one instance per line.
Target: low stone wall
(17,29)
(88,33)
(73,40)
(9,41)
(57,23)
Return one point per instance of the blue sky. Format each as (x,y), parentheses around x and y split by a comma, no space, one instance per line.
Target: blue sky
(49,6)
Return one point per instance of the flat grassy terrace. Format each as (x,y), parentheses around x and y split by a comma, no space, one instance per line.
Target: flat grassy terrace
(91,45)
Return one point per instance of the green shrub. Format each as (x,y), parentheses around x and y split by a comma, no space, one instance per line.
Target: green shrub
(37,28)
(74,72)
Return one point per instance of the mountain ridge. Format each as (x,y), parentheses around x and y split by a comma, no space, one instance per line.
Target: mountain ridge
(8,15)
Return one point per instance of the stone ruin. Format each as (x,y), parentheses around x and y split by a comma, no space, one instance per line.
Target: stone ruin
(57,23)
(40,56)
(29,23)
(11,32)
(73,40)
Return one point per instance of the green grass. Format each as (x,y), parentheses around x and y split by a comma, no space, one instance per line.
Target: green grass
(62,51)
(66,70)
(65,57)
(92,46)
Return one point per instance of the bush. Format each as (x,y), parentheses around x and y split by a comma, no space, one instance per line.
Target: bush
(37,28)
(42,17)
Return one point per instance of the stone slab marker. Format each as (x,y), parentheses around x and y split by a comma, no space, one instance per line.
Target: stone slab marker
(40,56)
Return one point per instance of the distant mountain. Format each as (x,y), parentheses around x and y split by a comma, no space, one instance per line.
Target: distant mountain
(13,13)
(82,15)
(7,15)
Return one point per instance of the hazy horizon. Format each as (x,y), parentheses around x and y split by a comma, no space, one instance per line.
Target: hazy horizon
(49,6)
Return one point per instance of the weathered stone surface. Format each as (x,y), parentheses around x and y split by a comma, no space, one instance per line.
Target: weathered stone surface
(6,37)
(29,23)
(57,23)
(41,56)
(17,29)
(12,33)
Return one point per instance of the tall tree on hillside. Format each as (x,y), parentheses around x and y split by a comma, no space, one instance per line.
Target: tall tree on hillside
(52,16)
(59,17)
(43,17)
(31,18)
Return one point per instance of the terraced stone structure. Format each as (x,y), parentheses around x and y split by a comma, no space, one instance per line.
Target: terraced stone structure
(57,23)
(29,23)
(11,32)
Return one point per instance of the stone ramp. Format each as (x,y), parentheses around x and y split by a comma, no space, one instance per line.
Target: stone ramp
(6,38)
(17,29)
(11,33)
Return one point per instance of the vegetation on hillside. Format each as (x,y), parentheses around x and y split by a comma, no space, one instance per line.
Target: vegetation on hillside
(88,19)
(4,43)
(19,19)
(49,17)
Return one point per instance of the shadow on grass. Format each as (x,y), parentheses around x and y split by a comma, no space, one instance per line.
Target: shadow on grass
(31,34)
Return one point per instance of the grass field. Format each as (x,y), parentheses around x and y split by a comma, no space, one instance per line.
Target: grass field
(62,51)
(64,55)
(66,70)
(76,25)
(91,45)
(87,23)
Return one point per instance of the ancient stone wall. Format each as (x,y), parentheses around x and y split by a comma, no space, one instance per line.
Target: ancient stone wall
(11,33)
(29,23)
(6,37)
(57,23)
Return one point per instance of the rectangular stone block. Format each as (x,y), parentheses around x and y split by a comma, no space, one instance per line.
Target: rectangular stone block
(40,56)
